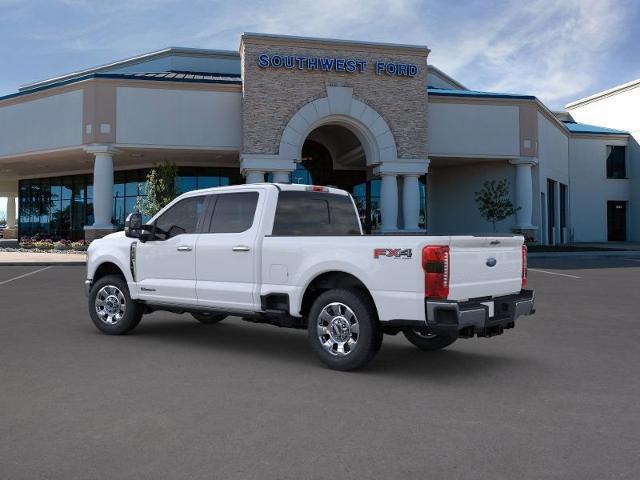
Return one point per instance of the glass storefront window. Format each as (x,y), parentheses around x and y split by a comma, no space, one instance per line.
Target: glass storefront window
(60,207)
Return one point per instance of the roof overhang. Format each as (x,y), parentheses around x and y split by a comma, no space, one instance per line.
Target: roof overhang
(605,93)
(145,57)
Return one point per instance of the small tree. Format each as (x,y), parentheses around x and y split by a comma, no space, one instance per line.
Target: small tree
(160,189)
(494,203)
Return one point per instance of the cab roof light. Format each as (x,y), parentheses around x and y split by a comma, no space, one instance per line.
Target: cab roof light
(317,188)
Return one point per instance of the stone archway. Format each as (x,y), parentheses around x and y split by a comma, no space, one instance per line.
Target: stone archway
(340,108)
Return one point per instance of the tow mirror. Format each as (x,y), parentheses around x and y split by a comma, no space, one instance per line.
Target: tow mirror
(133,225)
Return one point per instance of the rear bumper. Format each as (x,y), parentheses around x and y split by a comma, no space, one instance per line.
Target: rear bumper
(468,319)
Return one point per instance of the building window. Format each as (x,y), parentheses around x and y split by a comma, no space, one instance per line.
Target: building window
(60,207)
(616,161)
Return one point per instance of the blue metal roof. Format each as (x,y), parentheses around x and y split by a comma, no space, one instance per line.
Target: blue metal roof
(173,76)
(575,127)
(444,92)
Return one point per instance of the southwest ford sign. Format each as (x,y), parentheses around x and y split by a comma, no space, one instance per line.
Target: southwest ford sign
(331,64)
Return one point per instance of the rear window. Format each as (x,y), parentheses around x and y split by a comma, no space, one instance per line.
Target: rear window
(315,213)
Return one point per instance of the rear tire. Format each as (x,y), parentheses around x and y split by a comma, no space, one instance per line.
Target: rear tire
(111,308)
(343,329)
(209,318)
(429,342)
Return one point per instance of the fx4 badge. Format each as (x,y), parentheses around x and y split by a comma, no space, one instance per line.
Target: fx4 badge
(402,253)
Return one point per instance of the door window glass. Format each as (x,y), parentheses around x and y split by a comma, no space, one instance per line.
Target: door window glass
(233,212)
(183,217)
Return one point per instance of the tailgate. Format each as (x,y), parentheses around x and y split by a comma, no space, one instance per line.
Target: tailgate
(484,266)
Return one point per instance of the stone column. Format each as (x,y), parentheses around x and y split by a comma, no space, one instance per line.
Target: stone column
(254,166)
(524,192)
(11,232)
(11,212)
(254,176)
(389,202)
(411,201)
(281,177)
(102,191)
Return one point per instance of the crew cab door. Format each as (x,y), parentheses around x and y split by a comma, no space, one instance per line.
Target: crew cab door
(226,251)
(166,269)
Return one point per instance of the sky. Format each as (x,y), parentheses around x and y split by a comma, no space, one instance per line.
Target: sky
(558,50)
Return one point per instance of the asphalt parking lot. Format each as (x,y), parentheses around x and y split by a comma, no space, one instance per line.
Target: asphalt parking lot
(557,397)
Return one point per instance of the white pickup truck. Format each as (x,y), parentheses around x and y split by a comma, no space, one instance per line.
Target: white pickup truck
(295,256)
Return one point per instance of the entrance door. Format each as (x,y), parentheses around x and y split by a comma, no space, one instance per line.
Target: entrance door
(551,211)
(617,221)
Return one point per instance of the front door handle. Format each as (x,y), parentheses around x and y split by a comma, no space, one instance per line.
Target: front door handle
(240,248)
(184,248)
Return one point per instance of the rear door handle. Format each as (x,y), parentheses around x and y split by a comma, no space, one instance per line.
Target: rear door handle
(240,248)
(184,248)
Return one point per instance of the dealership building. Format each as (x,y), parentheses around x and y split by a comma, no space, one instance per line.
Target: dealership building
(410,143)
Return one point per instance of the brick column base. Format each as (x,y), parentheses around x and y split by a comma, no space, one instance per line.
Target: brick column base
(10,233)
(96,233)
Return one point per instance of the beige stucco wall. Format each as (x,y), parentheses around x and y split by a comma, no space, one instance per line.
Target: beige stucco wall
(272,96)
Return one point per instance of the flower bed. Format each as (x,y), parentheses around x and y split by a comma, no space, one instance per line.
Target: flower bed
(48,245)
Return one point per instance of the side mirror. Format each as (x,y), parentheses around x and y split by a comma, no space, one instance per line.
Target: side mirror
(133,225)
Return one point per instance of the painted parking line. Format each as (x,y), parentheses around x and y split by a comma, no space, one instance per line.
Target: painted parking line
(553,273)
(25,275)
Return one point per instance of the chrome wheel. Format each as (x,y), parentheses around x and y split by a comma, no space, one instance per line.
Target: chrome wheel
(110,304)
(338,329)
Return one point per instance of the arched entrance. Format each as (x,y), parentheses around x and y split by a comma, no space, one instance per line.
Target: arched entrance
(339,140)
(333,155)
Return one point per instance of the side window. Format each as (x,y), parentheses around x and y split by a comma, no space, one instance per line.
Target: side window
(233,212)
(616,161)
(304,213)
(183,217)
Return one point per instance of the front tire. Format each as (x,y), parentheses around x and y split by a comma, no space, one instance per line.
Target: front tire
(111,308)
(428,342)
(208,318)
(343,329)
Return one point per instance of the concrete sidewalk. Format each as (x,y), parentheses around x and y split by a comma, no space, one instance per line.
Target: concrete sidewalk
(37,259)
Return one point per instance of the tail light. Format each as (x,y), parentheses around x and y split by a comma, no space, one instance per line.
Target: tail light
(524,267)
(435,263)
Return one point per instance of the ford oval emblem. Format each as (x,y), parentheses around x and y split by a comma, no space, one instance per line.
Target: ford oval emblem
(491,262)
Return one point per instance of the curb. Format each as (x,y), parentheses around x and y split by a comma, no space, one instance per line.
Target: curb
(612,254)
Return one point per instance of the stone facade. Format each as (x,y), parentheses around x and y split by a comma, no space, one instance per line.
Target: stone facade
(272,96)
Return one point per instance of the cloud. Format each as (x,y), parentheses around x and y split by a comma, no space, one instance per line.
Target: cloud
(555,49)
(550,49)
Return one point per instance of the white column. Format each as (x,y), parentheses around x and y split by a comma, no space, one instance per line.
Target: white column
(524,192)
(11,211)
(410,201)
(102,186)
(389,202)
(281,177)
(254,176)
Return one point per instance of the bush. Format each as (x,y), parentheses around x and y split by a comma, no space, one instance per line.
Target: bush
(81,245)
(43,245)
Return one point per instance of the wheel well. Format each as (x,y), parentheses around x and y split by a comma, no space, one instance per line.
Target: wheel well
(328,281)
(107,268)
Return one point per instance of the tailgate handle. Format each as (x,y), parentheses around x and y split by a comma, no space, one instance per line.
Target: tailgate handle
(494,242)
